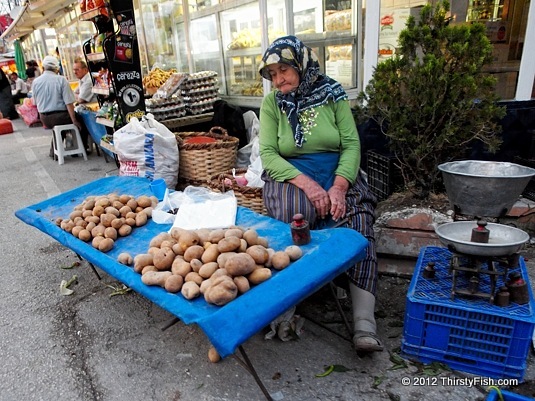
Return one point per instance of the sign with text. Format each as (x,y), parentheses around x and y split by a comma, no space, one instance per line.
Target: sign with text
(122,50)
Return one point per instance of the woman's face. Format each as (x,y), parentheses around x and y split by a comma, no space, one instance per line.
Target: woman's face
(284,77)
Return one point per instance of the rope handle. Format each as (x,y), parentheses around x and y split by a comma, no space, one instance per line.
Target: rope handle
(218,131)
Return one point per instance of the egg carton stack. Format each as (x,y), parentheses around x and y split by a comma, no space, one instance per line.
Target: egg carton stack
(200,91)
(166,108)
(167,102)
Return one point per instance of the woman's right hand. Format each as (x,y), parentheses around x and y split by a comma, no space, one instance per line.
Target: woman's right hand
(315,193)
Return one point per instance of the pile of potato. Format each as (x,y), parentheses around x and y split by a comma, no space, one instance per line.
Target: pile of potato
(102,219)
(219,264)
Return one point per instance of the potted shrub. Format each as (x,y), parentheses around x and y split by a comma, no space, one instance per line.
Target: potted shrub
(432,100)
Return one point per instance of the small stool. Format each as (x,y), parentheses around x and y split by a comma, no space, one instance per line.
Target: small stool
(6,127)
(67,146)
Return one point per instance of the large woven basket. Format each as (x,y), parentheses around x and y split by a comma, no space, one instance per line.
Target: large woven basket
(250,197)
(198,162)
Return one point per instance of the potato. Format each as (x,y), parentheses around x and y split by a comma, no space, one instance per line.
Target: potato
(98,231)
(158,239)
(195,277)
(294,252)
(193,252)
(205,285)
(110,232)
(143,201)
(216,236)
(132,204)
(141,219)
(177,249)
(124,198)
(262,241)
(105,245)
(242,283)
(223,257)
(220,272)
(163,259)
(228,244)
(149,268)
(176,231)
(75,213)
(106,219)
(87,213)
(155,278)
(213,355)
(187,239)
(208,269)
(148,211)
(89,204)
(234,232)
(124,211)
(102,201)
(118,205)
(76,230)
(270,252)
(174,283)
(168,243)
(210,254)
(117,223)
(96,241)
(98,211)
(240,264)
(124,230)
(112,210)
(142,260)
(258,253)
(130,221)
(84,235)
(280,260)
(180,267)
(250,236)
(259,275)
(93,219)
(190,290)
(125,258)
(203,234)
(222,291)
(195,265)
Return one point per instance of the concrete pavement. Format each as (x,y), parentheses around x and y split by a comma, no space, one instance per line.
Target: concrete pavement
(95,346)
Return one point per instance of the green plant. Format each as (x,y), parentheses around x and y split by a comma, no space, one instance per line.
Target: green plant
(432,100)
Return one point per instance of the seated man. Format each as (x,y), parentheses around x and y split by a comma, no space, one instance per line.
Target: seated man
(83,94)
(54,97)
(20,89)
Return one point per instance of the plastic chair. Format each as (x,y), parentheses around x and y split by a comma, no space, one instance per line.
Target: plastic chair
(71,145)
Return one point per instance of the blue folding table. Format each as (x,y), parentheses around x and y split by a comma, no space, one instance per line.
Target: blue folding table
(330,252)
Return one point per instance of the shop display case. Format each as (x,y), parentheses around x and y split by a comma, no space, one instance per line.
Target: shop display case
(234,33)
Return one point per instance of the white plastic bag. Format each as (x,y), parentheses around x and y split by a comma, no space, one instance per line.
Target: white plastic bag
(249,152)
(170,202)
(203,208)
(147,149)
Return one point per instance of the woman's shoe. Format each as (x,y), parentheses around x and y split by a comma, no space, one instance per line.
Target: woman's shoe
(367,341)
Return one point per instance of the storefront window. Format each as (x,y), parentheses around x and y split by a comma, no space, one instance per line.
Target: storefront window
(241,32)
(156,19)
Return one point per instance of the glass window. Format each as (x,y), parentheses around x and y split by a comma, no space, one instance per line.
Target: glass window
(241,33)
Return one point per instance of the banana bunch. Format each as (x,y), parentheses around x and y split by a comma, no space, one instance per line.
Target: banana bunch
(157,77)
(255,89)
(245,39)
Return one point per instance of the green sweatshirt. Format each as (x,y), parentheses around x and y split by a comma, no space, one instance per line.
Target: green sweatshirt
(328,128)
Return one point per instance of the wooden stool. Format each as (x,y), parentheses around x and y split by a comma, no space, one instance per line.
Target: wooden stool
(69,146)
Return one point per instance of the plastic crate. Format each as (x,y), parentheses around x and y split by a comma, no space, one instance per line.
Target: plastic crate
(466,333)
(383,176)
(506,396)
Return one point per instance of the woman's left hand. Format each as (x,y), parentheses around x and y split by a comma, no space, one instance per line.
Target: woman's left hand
(338,202)
(337,195)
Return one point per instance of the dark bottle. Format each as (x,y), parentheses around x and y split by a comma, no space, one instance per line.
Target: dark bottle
(300,230)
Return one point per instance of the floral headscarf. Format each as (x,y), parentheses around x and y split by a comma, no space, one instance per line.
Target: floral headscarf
(315,88)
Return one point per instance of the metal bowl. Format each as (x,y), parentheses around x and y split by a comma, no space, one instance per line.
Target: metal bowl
(503,240)
(484,188)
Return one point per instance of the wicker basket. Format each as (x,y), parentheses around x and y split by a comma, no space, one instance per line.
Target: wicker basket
(198,162)
(250,197)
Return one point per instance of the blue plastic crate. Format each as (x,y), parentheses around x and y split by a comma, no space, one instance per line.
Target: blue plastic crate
(467,334)
(507,396)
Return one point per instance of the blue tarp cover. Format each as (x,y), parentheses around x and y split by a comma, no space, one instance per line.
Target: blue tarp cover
(330,252)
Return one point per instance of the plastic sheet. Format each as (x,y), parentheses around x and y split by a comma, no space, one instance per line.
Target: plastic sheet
(330,252)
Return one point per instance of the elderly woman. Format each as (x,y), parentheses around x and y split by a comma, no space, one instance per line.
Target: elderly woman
(310,151)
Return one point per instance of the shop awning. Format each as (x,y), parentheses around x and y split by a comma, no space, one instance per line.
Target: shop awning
(34,15)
